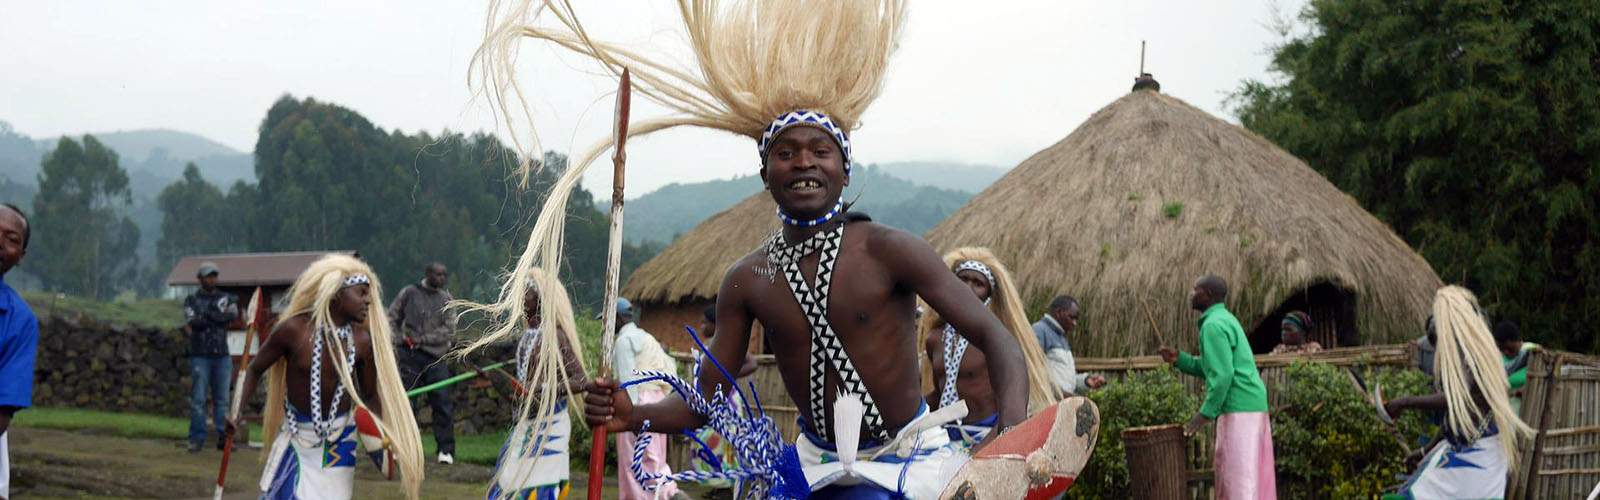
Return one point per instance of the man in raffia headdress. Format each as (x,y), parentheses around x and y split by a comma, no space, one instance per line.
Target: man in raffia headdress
(835,292)
(533,461)
(959,375)
(1481,429)
(333,382)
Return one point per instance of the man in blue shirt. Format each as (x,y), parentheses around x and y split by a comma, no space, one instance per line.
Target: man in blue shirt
(19,336)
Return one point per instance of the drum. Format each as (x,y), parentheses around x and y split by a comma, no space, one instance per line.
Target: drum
(1037,459)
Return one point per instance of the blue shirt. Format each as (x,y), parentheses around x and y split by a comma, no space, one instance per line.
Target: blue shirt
(19,343)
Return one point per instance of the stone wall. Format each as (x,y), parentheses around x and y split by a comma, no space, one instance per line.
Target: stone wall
(86,364)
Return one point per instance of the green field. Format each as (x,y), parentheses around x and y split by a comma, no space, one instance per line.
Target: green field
(481,449)
(159,313)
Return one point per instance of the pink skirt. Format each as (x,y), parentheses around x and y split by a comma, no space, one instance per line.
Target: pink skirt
(1243,458)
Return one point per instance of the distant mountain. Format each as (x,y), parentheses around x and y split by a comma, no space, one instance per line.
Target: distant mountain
(153,159)
(221,169)
(161,155)
(661,215)
(965,177)
(137,145)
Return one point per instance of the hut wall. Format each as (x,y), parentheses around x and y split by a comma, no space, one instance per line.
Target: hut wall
(666,321)
(1562,402)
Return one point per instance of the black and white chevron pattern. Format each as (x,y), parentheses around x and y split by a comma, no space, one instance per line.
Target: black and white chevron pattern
(782,255)
(826,350)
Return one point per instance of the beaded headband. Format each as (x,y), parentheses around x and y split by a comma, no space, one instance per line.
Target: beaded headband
(356,279)
(981,268)
(804,117)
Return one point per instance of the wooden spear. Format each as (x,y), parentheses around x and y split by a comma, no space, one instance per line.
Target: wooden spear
(258,318)
(1161,338)
(619,161)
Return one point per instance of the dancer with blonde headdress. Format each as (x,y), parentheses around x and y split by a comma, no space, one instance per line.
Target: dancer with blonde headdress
(533,463)
(795,77)
(958,375)
(333,383)
(1481,429)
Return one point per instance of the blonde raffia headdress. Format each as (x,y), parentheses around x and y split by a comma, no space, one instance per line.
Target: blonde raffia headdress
(807,63)
(1467,361)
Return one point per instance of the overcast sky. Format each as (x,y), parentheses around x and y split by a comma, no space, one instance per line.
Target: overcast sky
(990,85)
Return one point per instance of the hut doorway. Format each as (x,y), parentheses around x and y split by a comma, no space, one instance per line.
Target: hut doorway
(1333,314)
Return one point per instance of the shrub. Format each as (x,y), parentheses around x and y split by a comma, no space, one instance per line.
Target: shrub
(1327,439)
(1153,397)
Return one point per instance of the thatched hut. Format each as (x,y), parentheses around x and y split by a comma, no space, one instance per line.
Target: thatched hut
(1150,193)
(675,286)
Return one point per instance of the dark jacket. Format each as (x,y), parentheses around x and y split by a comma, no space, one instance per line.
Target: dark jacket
(418,314)
(208,315)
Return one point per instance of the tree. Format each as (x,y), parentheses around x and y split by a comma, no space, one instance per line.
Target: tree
(1470,126)
(329,179)
(195,218)
(83,246)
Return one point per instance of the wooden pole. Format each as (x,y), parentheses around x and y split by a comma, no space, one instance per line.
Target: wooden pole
(257,318)
(619,162)
(1161,339)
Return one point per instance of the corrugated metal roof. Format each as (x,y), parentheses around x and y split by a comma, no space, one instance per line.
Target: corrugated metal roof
(249,269)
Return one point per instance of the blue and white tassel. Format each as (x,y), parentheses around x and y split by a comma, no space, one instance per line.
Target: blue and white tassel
(769,468)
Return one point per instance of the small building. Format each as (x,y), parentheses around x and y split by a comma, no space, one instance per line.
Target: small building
(240,274)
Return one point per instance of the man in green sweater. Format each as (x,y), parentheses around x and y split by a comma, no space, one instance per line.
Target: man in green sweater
(1235,396)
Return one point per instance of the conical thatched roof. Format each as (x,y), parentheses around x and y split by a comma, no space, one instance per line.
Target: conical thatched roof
(1149,194)
(693,265)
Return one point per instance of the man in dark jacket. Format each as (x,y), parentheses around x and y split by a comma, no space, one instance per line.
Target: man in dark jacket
(207,314)
(424,333)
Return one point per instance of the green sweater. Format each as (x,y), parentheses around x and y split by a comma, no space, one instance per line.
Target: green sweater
(1519,365)
(1232,383)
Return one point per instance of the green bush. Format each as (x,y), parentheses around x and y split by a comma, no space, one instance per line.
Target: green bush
(1327,438)
(1153,397)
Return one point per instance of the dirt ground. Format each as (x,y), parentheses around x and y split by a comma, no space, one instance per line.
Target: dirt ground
(87,464)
